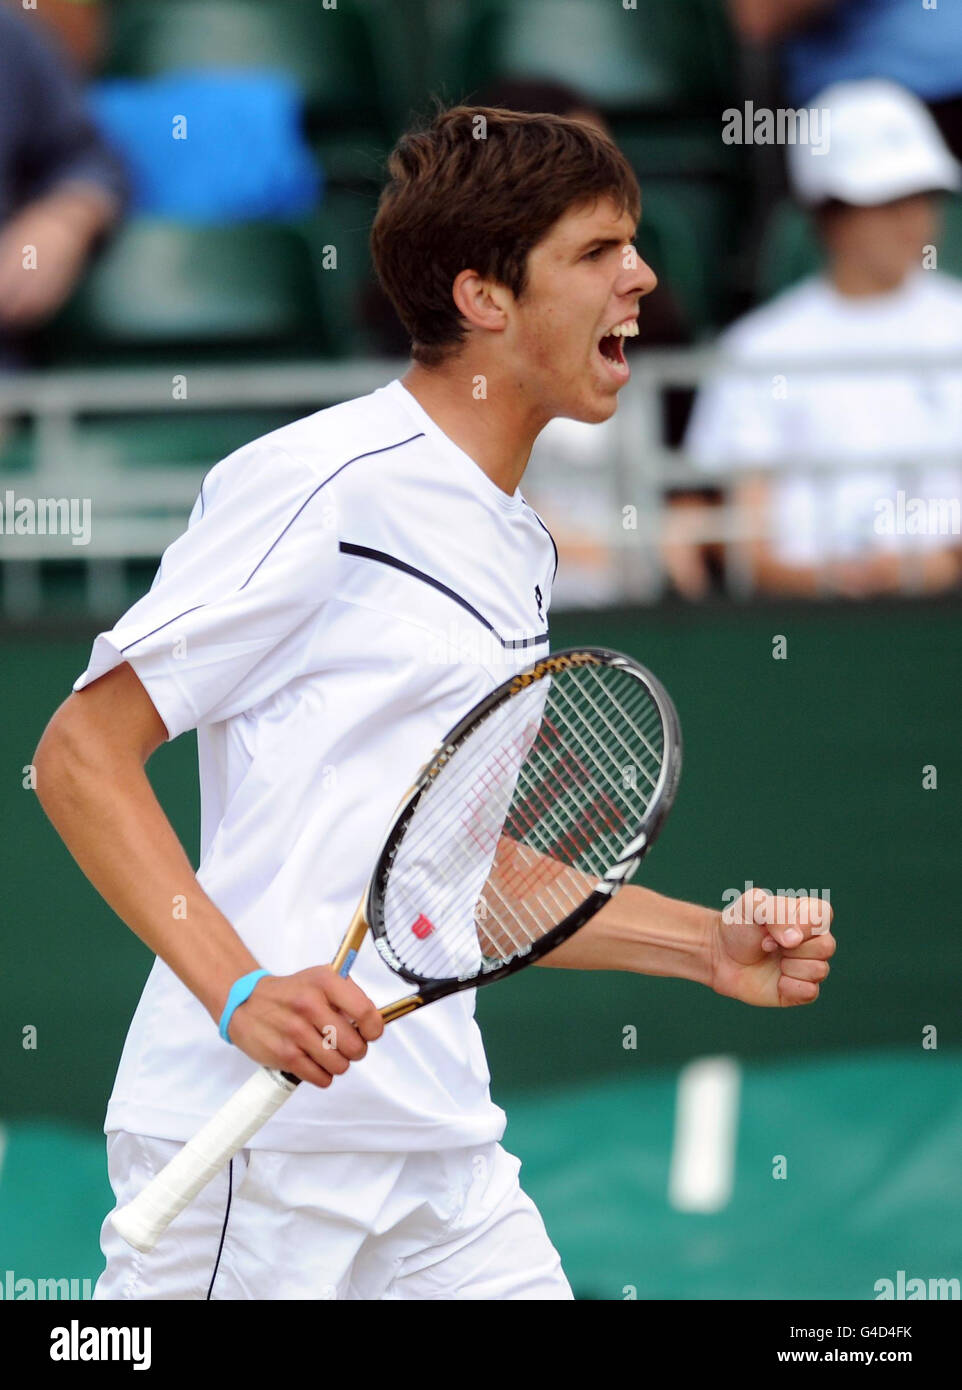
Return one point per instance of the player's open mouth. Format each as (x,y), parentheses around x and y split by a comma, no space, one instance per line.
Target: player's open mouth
(611,347)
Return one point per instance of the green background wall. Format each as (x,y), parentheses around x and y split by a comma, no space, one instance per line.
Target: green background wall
(805,772)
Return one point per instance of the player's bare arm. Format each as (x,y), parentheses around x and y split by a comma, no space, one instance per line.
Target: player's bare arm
(764,950)
(93,785)
(683,548)
(768,950)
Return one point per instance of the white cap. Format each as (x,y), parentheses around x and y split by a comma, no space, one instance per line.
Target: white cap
(877,142)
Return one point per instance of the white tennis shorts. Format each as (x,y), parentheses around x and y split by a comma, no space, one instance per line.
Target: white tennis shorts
(447,1225)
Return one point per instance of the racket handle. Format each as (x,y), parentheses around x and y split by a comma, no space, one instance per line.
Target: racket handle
(146,1217)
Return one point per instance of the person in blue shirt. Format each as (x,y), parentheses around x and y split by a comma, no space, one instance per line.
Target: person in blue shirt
(916,43)
(61,188)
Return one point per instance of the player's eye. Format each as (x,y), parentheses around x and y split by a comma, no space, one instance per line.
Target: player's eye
(594,254)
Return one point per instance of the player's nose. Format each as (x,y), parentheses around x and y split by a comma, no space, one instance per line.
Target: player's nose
(637,276)
(645,279)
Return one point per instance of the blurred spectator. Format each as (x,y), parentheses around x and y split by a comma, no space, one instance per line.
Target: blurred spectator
(61,188)
(78,25)
(821,42)
(874,199)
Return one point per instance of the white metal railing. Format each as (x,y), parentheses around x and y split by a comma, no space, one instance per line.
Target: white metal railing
(136,512)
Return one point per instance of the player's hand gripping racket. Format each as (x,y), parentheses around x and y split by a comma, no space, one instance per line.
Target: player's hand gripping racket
(526,820)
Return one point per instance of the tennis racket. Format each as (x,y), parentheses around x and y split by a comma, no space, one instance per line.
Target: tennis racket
(530,815)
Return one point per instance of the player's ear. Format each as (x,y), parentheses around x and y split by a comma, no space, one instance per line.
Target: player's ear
(484,303)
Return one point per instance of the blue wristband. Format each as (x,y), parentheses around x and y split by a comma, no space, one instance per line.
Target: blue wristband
(239,991)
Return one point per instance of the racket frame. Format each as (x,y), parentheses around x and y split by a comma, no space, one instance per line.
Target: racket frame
(649,826)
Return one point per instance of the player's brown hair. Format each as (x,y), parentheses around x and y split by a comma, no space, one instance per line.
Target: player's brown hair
(477,189)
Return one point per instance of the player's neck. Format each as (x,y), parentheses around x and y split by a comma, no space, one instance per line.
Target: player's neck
(489,422)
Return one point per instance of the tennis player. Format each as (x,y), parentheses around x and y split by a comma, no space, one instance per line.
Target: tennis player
(347,587)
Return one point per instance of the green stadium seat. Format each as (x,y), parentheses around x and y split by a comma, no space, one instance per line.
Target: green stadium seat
(189,438)
(193,437)
(341,227)
(328,51)
(676,145)
(789,250)
(662,55)
(351,160)
(16,446)
(163,285)
(950,242)
(688,228)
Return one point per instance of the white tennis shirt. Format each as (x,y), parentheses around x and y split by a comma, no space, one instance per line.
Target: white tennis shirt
(347,588)
(901,416)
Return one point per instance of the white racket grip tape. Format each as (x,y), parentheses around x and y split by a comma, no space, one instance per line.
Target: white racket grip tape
(145,1219)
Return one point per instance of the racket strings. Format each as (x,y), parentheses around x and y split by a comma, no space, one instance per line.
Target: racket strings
(617,733)
(521,921)
(536,804)
(558,736)
(597,820)
(564,841)
(543,818)
(556,784)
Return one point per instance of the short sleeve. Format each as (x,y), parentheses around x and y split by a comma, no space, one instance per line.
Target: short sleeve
(223,625)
